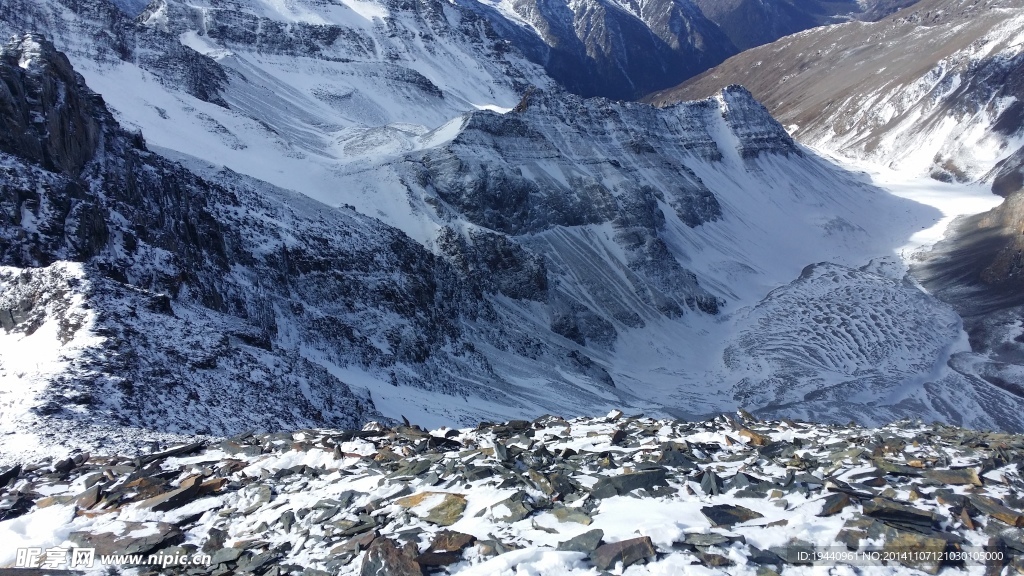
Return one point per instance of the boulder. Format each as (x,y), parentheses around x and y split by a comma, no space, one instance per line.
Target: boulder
(586,542)
(609,486)
(384,558)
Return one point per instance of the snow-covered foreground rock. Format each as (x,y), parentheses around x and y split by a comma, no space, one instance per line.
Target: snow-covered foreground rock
(622,495)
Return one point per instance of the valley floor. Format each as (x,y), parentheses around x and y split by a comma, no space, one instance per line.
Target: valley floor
(952,199)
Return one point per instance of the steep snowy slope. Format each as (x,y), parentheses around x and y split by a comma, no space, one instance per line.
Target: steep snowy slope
(236,79)
(187,299)
(281,93)
(935,89)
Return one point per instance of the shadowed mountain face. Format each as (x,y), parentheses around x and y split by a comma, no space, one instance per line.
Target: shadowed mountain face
(979,269)
(750,23)
(619,50)
(625,49)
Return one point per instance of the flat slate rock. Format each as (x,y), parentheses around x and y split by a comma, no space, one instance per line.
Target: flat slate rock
(710,539)
(451,541)
(609,486)
(888,511)
(628,552)
(834,504)
(437,559)
(445,513)
(586,542)
(187,492)
(915,550)
(994,508)
(710,483)
(963,477)
(566,514)
(727,514)
(512,509)
(157,534)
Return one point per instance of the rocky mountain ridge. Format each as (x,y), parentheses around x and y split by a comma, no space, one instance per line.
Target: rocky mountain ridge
(149,234)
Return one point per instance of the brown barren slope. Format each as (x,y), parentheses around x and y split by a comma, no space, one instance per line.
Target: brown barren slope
(851,87)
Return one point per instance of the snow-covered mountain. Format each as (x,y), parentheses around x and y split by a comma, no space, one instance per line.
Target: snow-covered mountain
(567,256)
(394,211)
(934,89)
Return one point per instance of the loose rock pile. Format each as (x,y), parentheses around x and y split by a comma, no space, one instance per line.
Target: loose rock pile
(731,495)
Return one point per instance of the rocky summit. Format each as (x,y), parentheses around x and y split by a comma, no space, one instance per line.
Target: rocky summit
(622,495)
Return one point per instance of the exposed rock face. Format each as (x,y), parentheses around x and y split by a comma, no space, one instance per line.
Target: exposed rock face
(496,264)
(372,67)
(1008,174)
(103,32)
(560,165)
(979,266)
(147,229)
(47,116)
